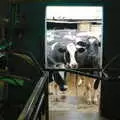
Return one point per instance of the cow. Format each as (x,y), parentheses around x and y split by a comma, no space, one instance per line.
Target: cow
(76,52)
(87,56)
(60,55)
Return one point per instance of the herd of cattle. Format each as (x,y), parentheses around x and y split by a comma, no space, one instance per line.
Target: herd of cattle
(70,49)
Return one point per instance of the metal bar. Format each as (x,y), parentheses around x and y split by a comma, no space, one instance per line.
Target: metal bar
(71,70)
(30,105)
(79,72)
(116,78)
(47,103)
(39,105)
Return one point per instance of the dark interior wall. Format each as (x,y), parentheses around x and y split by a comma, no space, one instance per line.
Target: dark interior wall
(111,42)
(4,8)
(110,90)
(34,35)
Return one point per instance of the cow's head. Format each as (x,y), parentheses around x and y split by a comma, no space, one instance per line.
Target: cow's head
(93,46)
(64,53)
(87,51)
(81,44)
(93,51)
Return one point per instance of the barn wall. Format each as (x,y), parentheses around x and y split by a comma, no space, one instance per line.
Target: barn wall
(83,27)
(96,28)
(89,27)
(34,37)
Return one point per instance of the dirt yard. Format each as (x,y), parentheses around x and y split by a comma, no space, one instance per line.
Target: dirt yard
(72,99)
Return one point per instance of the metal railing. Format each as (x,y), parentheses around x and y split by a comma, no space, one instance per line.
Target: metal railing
(84,72)
(37,104)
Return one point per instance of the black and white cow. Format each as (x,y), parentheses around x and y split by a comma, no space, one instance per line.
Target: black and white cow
(77,52)
(88,56)
(60,54)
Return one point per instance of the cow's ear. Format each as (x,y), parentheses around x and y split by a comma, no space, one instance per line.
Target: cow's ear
(62,49)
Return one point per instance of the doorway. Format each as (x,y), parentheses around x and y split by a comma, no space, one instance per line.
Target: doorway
(64,24)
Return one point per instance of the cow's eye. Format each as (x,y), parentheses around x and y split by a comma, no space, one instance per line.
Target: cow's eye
(81,43)
(81,50)
(62,50)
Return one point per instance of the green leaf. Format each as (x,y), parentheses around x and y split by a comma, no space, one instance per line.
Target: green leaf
(13,81)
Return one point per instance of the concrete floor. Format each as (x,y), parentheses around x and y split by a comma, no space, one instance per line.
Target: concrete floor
(68,103)
(73,106)
(74,115)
